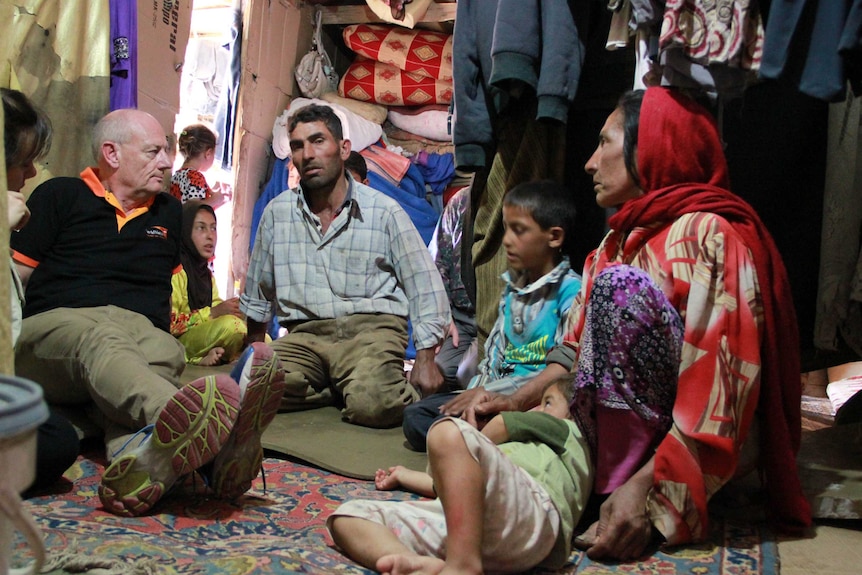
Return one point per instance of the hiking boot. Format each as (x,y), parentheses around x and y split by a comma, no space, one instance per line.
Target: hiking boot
(261,383)
(189,432)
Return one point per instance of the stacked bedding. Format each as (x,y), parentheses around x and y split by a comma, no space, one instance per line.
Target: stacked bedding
(407,71)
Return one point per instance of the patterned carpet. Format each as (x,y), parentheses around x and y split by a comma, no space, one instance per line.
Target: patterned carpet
(282,531)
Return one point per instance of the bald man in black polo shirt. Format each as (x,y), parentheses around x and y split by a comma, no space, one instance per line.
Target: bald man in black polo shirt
(97,259)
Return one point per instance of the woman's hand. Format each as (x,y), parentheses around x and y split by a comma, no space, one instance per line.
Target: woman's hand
(624,530)
(227,307)
(476,406)
(19,213)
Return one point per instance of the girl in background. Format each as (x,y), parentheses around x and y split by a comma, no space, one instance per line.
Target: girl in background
(213,331)
(197,145)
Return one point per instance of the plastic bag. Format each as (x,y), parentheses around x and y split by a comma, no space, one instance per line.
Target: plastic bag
(315,74)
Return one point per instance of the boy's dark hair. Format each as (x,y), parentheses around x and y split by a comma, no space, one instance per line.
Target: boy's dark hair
(317,113)
(550,204)
(356,163)
(27,131)
(566,385)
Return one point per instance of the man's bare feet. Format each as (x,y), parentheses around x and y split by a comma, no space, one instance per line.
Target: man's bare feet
(213,357)
(387,479)
(410,565)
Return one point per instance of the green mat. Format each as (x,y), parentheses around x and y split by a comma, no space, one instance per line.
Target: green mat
(320,437)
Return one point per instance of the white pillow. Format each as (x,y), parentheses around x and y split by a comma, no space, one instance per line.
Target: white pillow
(430,122)
(361,132)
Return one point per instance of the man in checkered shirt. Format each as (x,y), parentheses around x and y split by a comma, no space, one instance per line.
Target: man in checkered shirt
(342,267)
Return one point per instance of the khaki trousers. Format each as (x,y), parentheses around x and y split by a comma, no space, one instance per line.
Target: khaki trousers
(106,358)
(355,361)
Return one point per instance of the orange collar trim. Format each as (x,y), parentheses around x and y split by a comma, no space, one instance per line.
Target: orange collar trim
(90,176)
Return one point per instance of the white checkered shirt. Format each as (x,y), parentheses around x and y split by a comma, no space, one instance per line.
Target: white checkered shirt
(370,260)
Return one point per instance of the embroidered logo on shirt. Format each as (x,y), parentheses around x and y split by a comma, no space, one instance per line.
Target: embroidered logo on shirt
(158,232)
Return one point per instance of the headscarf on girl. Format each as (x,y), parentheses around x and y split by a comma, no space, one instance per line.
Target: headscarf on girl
(197,268)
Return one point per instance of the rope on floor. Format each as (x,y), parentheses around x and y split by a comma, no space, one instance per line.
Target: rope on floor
(71,561)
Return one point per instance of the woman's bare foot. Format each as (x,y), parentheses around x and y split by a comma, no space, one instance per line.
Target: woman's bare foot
(387,479)
(213,357)
(410,565)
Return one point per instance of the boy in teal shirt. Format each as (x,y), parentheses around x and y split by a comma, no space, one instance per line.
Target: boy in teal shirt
(540,286)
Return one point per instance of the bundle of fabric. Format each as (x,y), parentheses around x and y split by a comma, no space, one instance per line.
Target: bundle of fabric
(409,72)
(433,122)
(402,12)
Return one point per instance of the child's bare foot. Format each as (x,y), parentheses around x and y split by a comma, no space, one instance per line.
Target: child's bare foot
(213,357)
(410,565)
(388,479)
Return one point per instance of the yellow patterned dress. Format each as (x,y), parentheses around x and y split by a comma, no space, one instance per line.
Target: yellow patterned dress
(197,330)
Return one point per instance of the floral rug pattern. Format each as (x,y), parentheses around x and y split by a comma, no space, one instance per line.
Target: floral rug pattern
(282,530)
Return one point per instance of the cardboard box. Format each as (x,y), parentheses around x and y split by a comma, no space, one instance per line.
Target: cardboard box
(163,33)
(270,56)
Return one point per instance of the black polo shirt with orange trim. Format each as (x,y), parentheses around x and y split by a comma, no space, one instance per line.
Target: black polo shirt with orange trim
(87,252)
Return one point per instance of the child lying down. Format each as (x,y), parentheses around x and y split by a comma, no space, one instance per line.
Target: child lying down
(505,499)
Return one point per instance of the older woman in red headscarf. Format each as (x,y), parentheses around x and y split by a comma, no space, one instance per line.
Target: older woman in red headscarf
(664,444)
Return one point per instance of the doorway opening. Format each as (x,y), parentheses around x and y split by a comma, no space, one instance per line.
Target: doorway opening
(204,75)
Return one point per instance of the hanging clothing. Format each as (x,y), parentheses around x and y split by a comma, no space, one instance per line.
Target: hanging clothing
(204,72)
(277,183)
(807,43)
(124,54)
(500,48)
(712,47)
(839,297)
(850,46)
(226,109)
